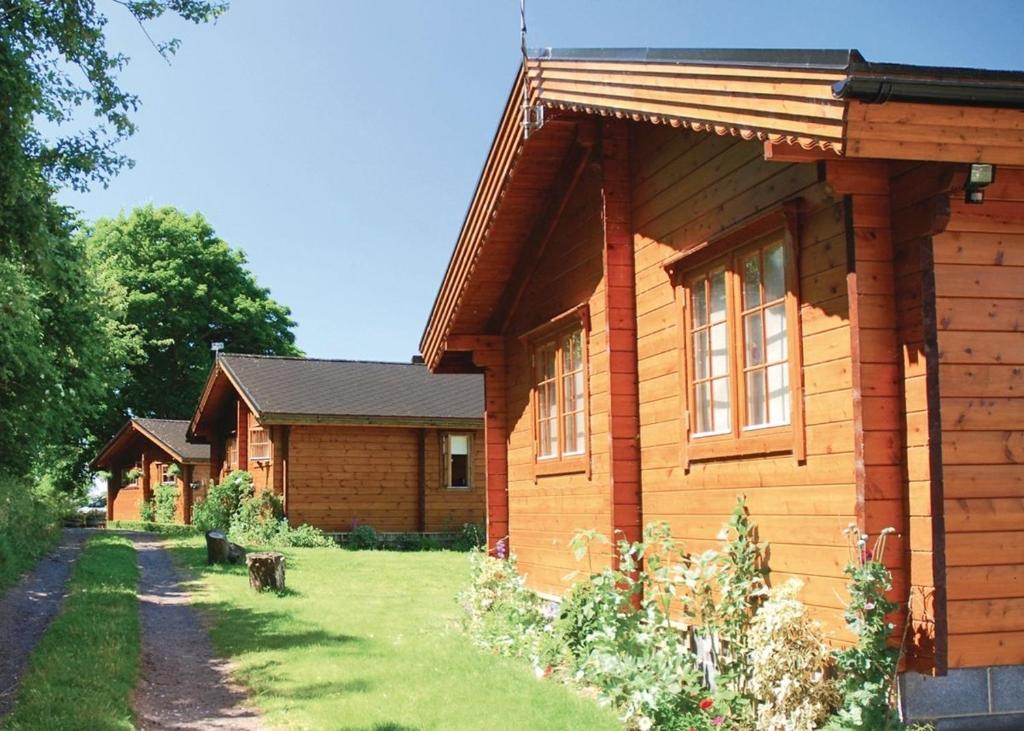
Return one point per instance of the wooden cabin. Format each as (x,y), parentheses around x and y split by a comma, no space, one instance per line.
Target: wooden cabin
(792,275)
(345,443)
(157,451)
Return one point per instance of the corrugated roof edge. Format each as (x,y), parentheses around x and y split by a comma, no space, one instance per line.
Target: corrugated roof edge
(816,58)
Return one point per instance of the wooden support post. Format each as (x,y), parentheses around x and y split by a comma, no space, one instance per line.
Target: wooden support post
(147,491)
(489,355)
(186,494)
(242,435)
(620,312)
(216,455)
(113,485)
(421,467)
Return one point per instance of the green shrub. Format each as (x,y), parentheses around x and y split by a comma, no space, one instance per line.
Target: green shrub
(362,538)
(868,669)
(215,511)
(501,614)
(305,536)
(165,500)
(257,520)
(147,513)
(582,613)
(29,525)
(469,537)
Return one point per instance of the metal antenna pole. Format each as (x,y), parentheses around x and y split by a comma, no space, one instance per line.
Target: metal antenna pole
(532,117)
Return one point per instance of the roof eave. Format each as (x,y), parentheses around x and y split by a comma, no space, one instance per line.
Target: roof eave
(280,418)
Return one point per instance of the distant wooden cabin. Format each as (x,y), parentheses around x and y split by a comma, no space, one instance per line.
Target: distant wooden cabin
(157,450)
(768,273)
(345,443)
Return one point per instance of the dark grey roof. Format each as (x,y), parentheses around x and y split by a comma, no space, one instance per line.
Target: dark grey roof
(172,433)
(278,385)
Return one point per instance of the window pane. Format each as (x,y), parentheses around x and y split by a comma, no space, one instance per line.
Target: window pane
(550,401)
(700,354)
(778,394)
(546,365)
(751,283)
(458,444)
(774,273)
(546,445)
(752,339)
(572,352)
(719,350)
(718,297)
(755,398)
(576,404)
(700,303)
(458,460)
(573,438)
(720,391)
(702,407)
(775,332)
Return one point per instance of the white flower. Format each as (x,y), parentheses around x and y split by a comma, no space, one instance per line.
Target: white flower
(644,723)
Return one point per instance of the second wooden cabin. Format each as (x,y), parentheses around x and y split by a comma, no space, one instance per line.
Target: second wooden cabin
(347,443)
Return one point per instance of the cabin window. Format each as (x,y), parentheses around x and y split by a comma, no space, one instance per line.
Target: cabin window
(167,475)
(458,460)
(259,443)
(560,396)
(740,318)
(231,448)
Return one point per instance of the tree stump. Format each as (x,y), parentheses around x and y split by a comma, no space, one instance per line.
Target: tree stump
(266,571)
(220,550)
(216,547)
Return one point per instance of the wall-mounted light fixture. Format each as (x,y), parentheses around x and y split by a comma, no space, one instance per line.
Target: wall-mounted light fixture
(978,178)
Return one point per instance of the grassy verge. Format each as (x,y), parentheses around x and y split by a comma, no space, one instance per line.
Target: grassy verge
(82,673)
(29,526)
(365,641)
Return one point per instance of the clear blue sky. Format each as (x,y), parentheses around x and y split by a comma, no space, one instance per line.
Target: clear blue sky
(338,143)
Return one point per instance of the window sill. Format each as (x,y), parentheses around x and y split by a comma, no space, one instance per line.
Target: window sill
(567,466)
(465,488)
(754,443)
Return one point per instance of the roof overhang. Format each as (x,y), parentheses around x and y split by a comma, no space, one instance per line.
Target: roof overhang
(131,437)
(392,421)
(812,102)
(221,387)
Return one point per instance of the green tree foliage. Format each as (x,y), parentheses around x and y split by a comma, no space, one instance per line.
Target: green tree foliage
(62,114)
(179,287)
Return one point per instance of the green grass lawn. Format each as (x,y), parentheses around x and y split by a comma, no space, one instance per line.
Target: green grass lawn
(83,671)
(367,640)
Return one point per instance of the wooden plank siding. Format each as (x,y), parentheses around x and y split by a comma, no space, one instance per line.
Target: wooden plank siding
(979,291)
(342,476)
(545,511)
(687,188)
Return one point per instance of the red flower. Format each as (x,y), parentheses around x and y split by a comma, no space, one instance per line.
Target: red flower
(706,704)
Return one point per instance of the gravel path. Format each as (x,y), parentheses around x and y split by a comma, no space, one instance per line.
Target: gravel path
(28,607)
(183,684)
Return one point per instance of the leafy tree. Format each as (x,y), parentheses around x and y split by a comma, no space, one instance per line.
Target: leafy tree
(59,347)
(179,287)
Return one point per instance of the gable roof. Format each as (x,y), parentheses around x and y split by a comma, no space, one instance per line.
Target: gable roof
(167,434)
(832,103)
(285,390)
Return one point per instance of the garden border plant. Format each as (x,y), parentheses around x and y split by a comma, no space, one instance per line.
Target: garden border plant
(679,641)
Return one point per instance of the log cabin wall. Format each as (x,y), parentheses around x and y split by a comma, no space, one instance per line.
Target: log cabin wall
(688,187)
(545,511)
(448,509)
(341,476)
(128,499)
(979,291)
